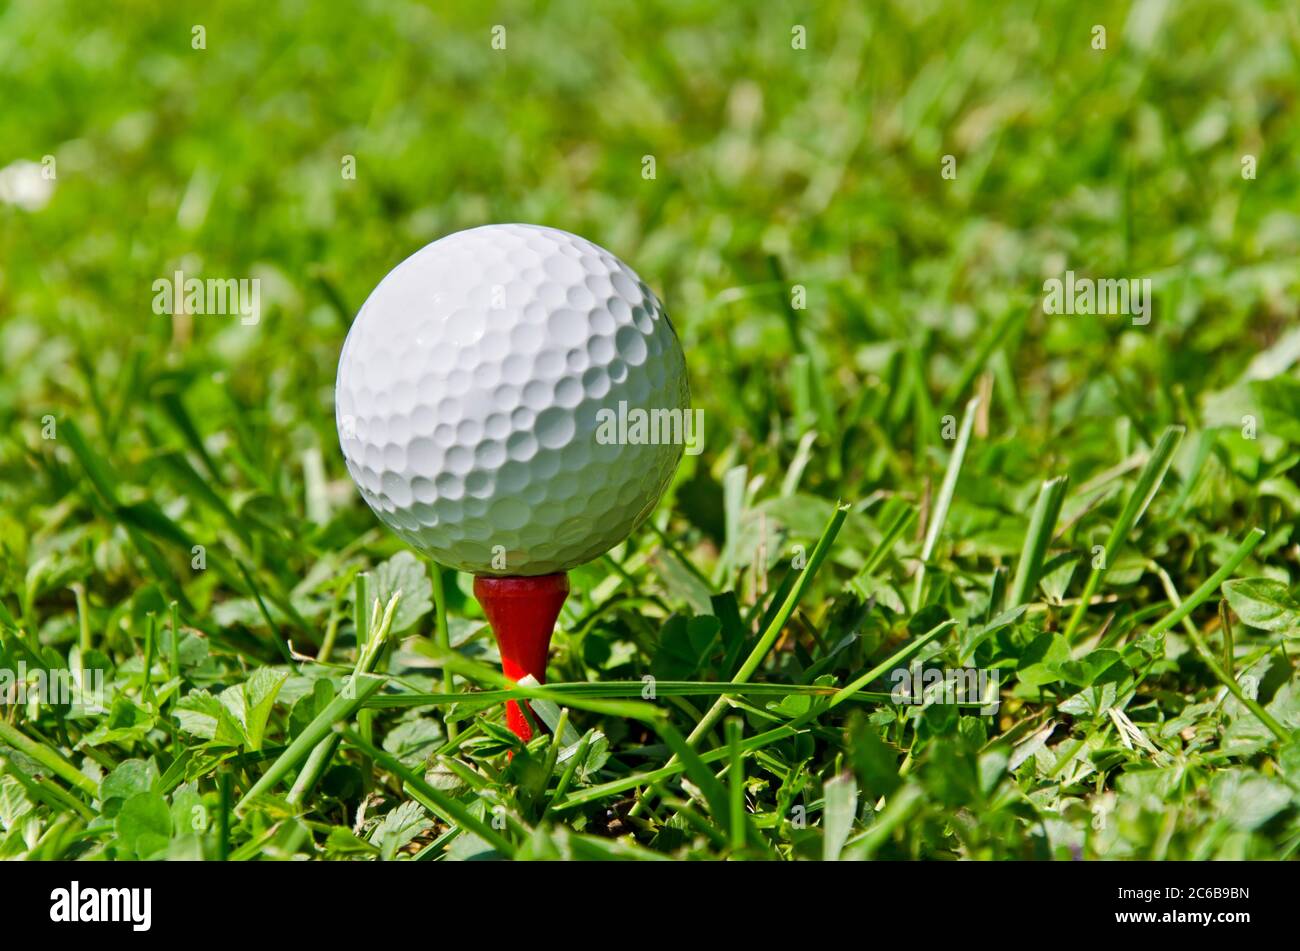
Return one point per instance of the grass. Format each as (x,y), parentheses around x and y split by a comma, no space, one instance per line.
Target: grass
(907,461)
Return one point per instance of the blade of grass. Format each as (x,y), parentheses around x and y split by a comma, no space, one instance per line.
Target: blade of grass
(552,755)
(1229,650)
(223,815)
(442,634)
(450,808)
(609,689)
(900,521)
(997,591)
(1152,475)
(758,741)
(764,645)
(1037,539)
(651,777)
(314,768)
(1207,656)
(846,692)
(566,778)
(976,361)
(313,744)
(736,783)
(49,758)
(1211,584)
(715,794)
(342,707)
(939,514)
(51,794)
(480,673)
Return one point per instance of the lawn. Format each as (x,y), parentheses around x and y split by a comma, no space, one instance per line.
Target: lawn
(918,458)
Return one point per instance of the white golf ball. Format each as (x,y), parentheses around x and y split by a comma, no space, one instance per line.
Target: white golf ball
(488,395)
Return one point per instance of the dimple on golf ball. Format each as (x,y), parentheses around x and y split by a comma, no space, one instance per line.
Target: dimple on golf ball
(475,391)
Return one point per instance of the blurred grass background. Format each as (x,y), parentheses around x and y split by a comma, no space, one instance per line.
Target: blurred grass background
(826,160)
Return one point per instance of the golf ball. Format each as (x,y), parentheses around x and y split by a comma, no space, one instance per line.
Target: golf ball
(489,394)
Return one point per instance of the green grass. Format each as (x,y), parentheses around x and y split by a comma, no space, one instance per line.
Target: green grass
(906,460)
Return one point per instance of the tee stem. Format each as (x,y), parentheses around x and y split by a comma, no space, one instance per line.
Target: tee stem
(522,612)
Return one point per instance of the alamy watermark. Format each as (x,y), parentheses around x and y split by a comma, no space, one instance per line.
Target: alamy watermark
(651,427)
(133,906)
(950,685)
(57,686)
(230,296)
(1108,297)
